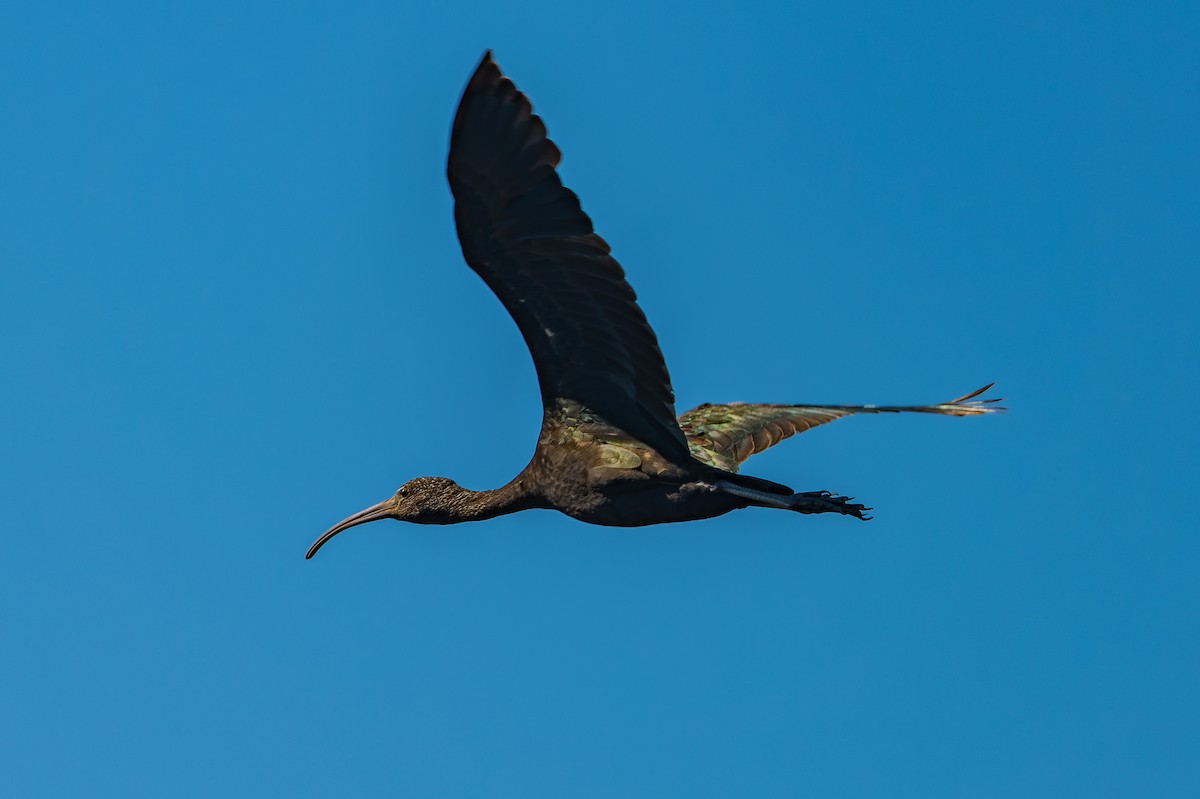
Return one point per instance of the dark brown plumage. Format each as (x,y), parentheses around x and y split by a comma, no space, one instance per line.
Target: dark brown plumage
(611,450)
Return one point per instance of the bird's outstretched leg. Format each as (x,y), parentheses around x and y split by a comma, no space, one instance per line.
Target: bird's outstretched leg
(807,502)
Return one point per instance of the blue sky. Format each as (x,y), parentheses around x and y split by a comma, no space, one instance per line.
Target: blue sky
(233,311)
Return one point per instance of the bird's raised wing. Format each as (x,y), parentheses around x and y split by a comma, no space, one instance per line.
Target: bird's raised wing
(725,435)
(525,234)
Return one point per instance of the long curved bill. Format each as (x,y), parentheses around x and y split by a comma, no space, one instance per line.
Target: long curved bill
(374,513)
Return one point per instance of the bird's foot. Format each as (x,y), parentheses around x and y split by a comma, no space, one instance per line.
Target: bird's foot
(825,502)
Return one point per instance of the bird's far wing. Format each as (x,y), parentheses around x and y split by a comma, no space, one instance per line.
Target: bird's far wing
(525,234)
(725,435)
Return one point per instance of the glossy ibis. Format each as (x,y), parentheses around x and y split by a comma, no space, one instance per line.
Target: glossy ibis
(611,450)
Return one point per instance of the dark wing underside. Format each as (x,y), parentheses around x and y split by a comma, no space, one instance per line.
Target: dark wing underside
(725,435)
(525,234)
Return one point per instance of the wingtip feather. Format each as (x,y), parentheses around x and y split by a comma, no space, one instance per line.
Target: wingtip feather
(967,405)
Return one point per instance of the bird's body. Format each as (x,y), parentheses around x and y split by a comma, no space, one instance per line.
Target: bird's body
(611,450)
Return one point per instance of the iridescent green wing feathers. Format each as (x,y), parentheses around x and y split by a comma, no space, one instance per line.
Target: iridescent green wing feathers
(725,435)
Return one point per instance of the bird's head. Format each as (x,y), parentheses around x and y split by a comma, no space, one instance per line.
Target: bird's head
(420,500)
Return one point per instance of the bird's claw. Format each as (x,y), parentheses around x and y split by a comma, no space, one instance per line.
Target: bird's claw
(828,502)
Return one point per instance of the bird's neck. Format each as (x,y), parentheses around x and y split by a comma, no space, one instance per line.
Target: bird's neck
(465,505)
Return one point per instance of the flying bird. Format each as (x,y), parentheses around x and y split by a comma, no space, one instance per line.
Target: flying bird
(611,450)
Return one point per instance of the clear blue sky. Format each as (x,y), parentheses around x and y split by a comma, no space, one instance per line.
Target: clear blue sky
(233,311)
